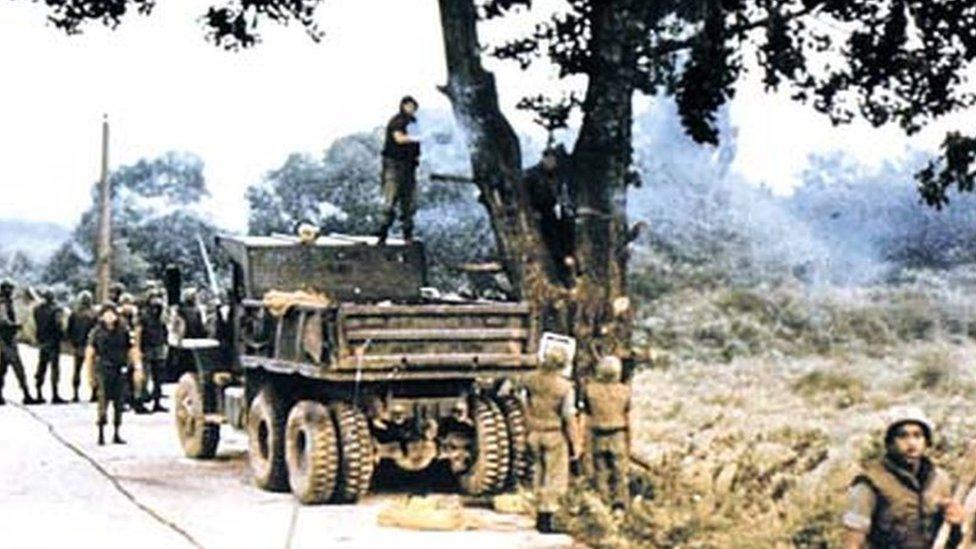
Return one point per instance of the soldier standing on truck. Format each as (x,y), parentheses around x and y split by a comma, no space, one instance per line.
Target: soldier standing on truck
(9,354)
(80,322)
(47,320)
(401,154)
(109,354)
(901,501)
(552,441)
(606,403)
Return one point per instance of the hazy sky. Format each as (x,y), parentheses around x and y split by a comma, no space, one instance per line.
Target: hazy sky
(165,88)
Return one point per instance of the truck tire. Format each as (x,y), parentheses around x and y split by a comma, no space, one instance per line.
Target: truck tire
(266,440)
(489,469)
(311,452)
(355,454)
(518,434)
(198,438)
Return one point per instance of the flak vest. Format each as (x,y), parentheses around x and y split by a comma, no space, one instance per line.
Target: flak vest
(906,515)
(607,404)
(546,394)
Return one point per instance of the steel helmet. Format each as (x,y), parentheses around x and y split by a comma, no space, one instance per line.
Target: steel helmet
(609,368)
(900,415)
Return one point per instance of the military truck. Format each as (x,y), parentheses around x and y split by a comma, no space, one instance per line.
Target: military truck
(365,365)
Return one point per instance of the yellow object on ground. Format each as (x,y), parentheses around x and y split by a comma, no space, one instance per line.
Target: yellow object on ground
(436,513)
(519,503)
(279,302)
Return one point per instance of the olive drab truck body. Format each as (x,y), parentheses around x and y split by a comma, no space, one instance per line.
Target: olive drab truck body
(339,359)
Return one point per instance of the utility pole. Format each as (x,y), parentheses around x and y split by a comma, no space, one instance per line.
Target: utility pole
(103,260)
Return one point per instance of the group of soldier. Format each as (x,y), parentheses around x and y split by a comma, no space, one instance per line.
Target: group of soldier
(123,344)
(900,502)
(555,440)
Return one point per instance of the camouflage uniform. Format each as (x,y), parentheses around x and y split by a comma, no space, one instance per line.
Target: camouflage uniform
(80,323)
(550,413)
(9,354)
(47,319)
(606,402)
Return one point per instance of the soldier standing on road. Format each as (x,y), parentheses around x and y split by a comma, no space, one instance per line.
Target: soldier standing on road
(109,353)
(551,417)
(194,326)
(47,319)
(901,501)
(606,403)
(135,382)
(401,154)
(153,344)
(9,354)
(80,322)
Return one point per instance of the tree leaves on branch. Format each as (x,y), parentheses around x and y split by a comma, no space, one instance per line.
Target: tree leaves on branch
(898,62)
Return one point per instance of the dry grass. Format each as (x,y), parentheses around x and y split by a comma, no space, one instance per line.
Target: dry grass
(759,452)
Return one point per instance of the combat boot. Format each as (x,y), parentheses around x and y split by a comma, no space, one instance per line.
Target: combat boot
(157,407)
(56,399)
(2,400)
(116,439)
(101,435)
(40,397)
(543,523)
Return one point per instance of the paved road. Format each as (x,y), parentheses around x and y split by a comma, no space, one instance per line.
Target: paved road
(58,488)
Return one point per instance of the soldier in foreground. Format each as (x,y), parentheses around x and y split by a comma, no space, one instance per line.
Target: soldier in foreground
(551,415)
(9,354)
(901,501)
(80,322)
(401,154)
(606,403)
(47,319)
(109,353)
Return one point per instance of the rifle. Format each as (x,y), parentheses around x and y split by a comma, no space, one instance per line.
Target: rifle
(965,493)
(211,277)
(450,178)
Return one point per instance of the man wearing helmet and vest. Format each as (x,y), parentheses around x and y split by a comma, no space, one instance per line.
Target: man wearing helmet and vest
(9,354)
(80,322)
(606,403)
(550,414)
(47,320)
(901,501)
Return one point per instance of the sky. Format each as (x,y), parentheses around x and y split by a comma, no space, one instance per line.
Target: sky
(165,88)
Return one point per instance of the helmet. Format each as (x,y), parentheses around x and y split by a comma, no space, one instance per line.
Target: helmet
(85,297)
(7,284)
(554,359)
(108,306)
(126,299)
(307,232)
(47,294)
(609,368)
(189,293)
(900,415)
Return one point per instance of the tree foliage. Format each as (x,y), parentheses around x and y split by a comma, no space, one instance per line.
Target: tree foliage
(154,223)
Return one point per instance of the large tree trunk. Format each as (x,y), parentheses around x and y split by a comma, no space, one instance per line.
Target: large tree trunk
(601,162)
(496,159)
